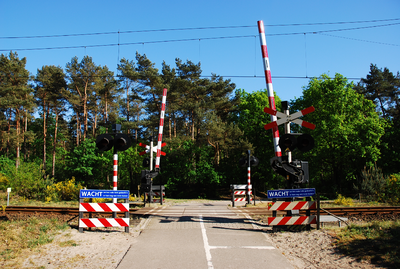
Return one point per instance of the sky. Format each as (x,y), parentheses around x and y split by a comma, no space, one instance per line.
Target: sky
(305,39)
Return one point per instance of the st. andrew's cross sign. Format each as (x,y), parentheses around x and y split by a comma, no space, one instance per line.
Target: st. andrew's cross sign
(289,118)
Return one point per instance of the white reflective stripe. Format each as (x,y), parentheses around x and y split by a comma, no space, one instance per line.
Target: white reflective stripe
(97,223)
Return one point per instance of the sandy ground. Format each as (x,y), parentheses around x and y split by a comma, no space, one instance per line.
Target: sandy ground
(105,249)
(101,248)
(313,249)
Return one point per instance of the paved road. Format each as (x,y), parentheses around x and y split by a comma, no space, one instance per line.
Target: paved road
(201,235)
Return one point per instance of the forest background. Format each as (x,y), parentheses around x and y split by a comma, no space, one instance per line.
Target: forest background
(49,123)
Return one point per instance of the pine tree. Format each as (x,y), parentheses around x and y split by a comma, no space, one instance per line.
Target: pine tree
(50,95)
(82,76)
(16,100)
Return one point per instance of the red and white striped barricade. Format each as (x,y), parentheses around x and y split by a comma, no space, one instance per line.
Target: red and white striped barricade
(290,206)
(103,207)
(239,193)
(158,193)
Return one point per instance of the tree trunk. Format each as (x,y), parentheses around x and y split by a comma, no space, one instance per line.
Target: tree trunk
(78,129)
(54,146)
(85,116)
(44,134)
(17,161)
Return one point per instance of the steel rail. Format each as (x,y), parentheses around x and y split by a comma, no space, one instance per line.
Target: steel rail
(340,211)
(61,210)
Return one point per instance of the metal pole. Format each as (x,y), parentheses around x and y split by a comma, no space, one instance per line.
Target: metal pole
(162,194)
(151,169)
(248,177)
(233,195)
(285,107)
(115,176)
(318,212)
(271,97)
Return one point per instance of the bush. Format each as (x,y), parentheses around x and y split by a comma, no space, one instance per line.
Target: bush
(393,189)
(63,191)
(27,181)
(4,184)
(373,184)
(341,200)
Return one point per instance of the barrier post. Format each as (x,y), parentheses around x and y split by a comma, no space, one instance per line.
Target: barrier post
(233,196)
(103,207)
(240,190)
(127,215)
(318,211)
(80,215)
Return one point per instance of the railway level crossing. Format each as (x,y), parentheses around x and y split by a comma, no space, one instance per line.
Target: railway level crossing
(202,235)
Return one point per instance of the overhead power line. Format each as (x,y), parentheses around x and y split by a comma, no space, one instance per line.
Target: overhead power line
(192,29)
(200,38)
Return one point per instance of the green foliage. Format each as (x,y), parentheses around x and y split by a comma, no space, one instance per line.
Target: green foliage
(373,183)
(383,88)
(375,186)
(87,165)
(189,172)
(27,181)
(63,191)
(347,133)
(4,183)
(341,200)
(393,189)
(251,118)
(129,167)
(208,128)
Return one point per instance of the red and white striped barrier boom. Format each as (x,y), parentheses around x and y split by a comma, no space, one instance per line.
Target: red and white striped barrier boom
(160,129)
(271,97)
(301,205)
(298,220)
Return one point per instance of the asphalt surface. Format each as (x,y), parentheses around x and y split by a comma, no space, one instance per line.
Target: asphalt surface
(201,235)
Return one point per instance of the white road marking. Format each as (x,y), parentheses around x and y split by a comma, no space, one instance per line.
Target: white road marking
(206,245)
(249,247)
(208,248)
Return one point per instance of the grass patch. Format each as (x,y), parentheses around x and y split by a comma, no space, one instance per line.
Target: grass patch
(376,242)
(68,243)
(17,236)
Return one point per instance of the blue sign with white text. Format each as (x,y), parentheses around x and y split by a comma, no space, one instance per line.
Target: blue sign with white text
(104,194)
(290,193)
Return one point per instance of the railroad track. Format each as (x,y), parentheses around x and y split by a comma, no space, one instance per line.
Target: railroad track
(63,210)
(338,211)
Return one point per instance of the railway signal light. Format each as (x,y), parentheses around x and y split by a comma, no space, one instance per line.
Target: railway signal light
(120,142)
(303,142)
(104,142)
(254,161)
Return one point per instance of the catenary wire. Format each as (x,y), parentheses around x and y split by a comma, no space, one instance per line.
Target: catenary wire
(192,29)
(196,39)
